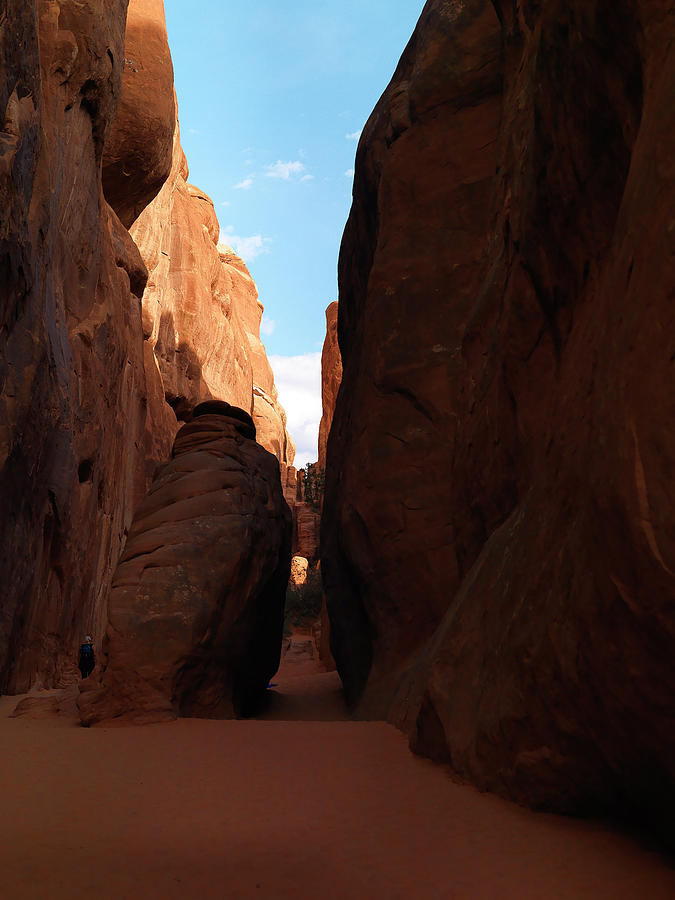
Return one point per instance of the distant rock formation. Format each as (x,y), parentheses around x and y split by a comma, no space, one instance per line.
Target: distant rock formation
(196,607)
(498,542)
(201,312)
(331,377)
(299,567)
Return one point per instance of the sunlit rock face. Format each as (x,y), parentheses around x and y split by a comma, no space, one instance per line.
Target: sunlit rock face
(498,542)
(85,370)
(201,312)
(196,608)
(138,152)
(331,376)
(299,567)
(73,398)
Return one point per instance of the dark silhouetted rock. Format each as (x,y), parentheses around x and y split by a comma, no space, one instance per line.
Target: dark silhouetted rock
(331,376)
(498,543)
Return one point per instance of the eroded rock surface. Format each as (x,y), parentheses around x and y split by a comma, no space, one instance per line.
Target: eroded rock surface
(73,385)
(498,543)
(201,313)
(85,371)
(138,151)
(196,607)
(331,377)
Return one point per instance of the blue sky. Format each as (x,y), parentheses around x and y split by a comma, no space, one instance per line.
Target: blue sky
(272,96)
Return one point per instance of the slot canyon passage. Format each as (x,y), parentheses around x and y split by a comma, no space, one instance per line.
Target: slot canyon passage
(440,661)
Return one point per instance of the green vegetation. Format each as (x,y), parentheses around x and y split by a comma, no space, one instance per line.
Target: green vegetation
(313,479)
(303,602)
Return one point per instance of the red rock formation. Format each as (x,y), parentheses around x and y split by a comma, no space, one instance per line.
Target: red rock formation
(306,525)
(499,507)
(72,406)
(268,414)
(289,483)
(331,376)
(138,152)
(201,311)
(83,417)
(196,607)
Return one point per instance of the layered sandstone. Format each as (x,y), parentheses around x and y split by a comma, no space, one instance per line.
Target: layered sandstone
(331,377)
(498,543)
(85,371)
(73,399)
(306,527)
(201,313)
(197,602)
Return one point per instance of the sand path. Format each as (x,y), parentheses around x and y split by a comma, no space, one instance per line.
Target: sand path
(274,809)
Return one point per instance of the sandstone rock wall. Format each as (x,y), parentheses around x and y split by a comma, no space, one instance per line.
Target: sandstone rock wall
(498,543)
(72,404)
(85,371)
(138,152)
(201,312)
(331,376)
(197,603)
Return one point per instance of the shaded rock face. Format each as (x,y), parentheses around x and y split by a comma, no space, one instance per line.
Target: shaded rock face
(73,386)
(306,525)
(498,542)
(196,607)
(138,151)
(85,372)
(331,376)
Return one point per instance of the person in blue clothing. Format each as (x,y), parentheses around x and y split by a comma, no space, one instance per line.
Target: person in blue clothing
(87,660)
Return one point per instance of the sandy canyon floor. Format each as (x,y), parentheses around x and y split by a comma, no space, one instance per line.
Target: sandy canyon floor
(301,803)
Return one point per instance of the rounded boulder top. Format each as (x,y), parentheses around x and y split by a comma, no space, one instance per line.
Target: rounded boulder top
(221,408)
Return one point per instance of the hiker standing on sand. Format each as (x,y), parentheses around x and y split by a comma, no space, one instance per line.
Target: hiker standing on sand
(87,660)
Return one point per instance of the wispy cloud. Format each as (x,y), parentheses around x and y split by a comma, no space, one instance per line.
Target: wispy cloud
(267,326)
(226,203)
(243,185)
(349,173)
(354,136)
(298,380)
(247,247)
(307,178)
(285,170)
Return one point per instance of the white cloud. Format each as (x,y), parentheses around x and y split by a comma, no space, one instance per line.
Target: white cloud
(349,173)
(354,136)
(285,169)
(267,326)
(244,185)
(246,247)
(226,203)
(307,178)
(298,380)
